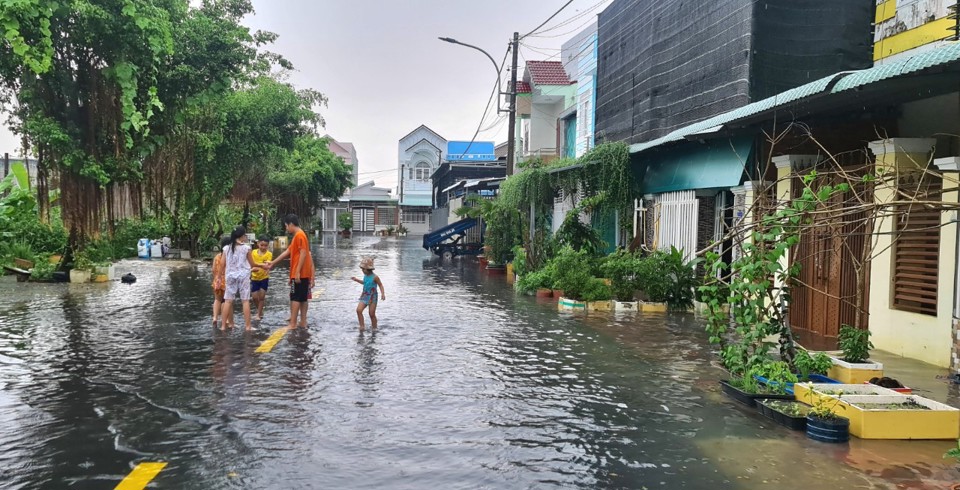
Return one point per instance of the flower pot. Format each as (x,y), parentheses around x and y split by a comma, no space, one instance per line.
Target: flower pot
(557,293)
(571,304)
(55,259)
(748,399)
(544,293)
(23,264)
(854,373)
(79,276)
(813,378)
(833,430)
(496,269)
(626,306)
(771,409)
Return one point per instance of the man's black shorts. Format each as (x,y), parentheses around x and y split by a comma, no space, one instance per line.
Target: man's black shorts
(299,291)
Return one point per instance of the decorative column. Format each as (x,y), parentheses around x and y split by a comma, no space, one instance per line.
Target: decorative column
(787,166)
(950,168)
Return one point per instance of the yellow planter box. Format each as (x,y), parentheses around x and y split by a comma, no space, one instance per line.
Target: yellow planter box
(871,422)
(101,278)
(567,304)
(848,373)
(653,307)
(600,306)
(809,393)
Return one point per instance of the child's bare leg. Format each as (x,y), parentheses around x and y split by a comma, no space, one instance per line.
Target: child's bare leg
(373,314)
(303,314)
(294,313)
(261,304)
(246,315)
(226,316)
(217,308)
(360,308)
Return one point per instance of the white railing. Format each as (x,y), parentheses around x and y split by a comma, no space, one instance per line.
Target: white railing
(676,222)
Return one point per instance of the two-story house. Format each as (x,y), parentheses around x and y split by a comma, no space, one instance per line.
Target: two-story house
(419,155)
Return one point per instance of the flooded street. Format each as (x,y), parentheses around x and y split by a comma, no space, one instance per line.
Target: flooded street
(465,385)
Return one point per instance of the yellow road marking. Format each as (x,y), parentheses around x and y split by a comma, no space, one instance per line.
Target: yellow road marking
(271,341)
(140,476)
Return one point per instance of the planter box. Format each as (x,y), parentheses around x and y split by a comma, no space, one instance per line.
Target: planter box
(558,293)
(600,306)
(828,430)
(868,421)
(101,278)
(814,378)
(571,304)
(626,306)
(79,276)
(850,373)
(23,264)
(653,307)
(108,271)
(809,393)
(496,270)
(544,293)
(795,422)
(748,399)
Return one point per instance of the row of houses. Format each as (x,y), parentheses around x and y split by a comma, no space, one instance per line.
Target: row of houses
(729,104)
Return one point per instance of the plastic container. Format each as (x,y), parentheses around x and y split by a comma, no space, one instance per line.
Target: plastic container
(835,430)
(156,250)
(143,248)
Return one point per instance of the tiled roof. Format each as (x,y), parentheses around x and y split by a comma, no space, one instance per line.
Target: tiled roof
(832,85)
(548,73)
(523,87)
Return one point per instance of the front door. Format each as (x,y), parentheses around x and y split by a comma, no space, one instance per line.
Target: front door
(833,283)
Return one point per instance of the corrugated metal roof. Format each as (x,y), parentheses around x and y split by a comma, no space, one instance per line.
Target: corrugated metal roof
(833,84)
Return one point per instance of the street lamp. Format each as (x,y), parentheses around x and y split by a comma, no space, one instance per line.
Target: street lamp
(511,137)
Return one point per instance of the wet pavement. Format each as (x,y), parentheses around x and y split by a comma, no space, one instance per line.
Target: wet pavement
(465,385)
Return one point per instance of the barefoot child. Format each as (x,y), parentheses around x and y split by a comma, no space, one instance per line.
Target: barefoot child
(368,298)
(260,278)
(239,262)
(219,281)
(301,268)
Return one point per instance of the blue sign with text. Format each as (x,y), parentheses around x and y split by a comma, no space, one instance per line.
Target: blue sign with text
(465,151)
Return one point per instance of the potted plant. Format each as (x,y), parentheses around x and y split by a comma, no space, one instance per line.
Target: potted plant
(788,413)
(389,230)
(345,223)
(855,367)
(769,380)
(43,271)
(826,426)
(82,267)
(402,230)
(813,367)
(621,269)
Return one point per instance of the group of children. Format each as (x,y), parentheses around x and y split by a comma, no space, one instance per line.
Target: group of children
(242,272)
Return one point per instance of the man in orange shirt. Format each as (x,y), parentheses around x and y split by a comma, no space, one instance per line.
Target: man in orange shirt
(301,270)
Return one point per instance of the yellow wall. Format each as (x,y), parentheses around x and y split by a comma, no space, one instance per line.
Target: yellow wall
(902,25)
(922,337)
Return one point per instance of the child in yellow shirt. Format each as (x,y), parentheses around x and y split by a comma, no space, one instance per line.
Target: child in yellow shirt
(260,278)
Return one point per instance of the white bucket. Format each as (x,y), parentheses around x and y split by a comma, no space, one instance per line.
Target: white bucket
(156,250)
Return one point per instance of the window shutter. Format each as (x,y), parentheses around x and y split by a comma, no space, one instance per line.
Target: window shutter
(917,252)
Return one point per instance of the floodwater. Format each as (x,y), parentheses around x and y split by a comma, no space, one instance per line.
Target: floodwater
(466,385)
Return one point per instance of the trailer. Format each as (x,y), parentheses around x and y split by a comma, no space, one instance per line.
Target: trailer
(450,241)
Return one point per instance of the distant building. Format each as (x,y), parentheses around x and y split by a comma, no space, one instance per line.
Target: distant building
(543,95)
(907,27)
(419,155)
(348,153)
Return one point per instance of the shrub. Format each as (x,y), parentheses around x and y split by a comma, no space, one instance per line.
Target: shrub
(520,261)
(41,237)
(855,344)
(42,269)
(573,272)
(666,278)
(621,268)
(596,290)
(345,221)
(806,364)
(532,281)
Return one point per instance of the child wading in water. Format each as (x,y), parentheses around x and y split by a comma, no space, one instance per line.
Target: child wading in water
(239,262)
(219,281)
(368,298)
(301,271)
(260,279)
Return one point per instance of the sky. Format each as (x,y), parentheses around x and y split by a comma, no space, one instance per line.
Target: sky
(386,73)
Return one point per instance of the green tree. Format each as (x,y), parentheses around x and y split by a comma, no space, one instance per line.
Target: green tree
(309,174)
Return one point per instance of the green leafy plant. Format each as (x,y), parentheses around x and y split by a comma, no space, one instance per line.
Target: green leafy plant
(953,453)
(825,406)
(596,290)
(806,364)
(855,344)
(777,374)
(19,249)
(345,221)
(573,269)
(621,268)
(520,261)
(42,269)
(532,281)
(666,278)
(579,235)
(402,230)
(749,285)
(83,262)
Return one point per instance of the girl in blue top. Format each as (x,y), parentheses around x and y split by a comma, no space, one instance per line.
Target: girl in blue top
(368,298)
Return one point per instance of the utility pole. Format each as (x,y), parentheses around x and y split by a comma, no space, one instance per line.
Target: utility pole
(512,137)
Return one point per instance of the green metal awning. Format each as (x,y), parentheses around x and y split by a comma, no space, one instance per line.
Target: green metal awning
(721,163)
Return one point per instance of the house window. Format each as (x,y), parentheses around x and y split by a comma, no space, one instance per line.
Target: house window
(421,172)
(415,217)
(917,251)
(584,115)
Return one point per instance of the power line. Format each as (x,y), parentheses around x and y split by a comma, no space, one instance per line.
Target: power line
(548,19)
(562,34)
(573,18)
(486,109)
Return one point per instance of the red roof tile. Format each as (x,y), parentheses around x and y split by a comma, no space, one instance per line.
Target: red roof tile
(548,73)
(523,87)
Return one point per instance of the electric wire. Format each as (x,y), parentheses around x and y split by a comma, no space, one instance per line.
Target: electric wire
(548,19)
(486,109)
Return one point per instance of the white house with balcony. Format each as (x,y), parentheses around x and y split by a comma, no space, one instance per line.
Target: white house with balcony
(420,154)
(543,96)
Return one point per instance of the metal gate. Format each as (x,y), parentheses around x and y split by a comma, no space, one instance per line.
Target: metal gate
(676,222)
(830,253)
(363,219)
